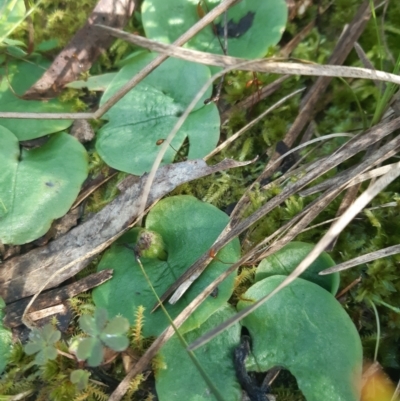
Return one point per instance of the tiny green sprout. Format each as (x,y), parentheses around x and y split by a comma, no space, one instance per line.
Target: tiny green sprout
(102,333)
(42,342)
(80,378)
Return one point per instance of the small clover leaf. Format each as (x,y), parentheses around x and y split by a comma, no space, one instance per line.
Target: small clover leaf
(80,378)
(42,342)
(113,334)
(102,333)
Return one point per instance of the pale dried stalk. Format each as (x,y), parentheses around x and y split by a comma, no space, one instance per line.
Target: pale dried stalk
(251,124)
(369,257)
(262,65)
(351,148)
(332,233)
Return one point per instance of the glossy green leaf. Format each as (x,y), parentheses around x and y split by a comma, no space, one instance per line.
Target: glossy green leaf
(145,115)
(289,257)
(21,76)
(180,380)
(253,25)
(304,329)
(37,185)
(188,228)
(5,339)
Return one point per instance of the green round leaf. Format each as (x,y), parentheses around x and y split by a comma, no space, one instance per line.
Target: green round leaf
(50,335)
(80,378)
(88,325)
(91,349)
(117,326)
(113,335)
(304,329)
(116,342)
(100,319)
(130,141)
(253,25)
(97,354)
(188,228)
(5,340)
(21,76)
(32,348)
(37,185)
(180,380)
(289,257)
(49,353)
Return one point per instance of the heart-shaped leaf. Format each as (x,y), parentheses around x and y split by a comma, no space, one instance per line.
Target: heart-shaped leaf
(21,76)
(289,257)
(188,228)
(37,185)
(304,329)
(253,25)
(143,118)
(180,380)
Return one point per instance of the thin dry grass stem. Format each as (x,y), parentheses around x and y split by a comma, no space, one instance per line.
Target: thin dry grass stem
(369,257)
(243,201)
(251,124)
(202,23)
(349,287)
(352,147)
(367,63)
(171,135)
(332,233)
(272,65)
(368,163)
(309,104)
(296,225)
(251,100)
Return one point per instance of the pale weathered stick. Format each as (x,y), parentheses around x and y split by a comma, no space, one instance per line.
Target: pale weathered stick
(369,257)
(261,65)
(354,146)
(332,233)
